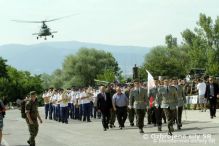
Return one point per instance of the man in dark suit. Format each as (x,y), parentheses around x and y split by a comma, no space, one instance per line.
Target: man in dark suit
(104,104)
(211,94)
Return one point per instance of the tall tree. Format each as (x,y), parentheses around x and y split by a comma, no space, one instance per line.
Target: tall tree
(171,41)
(203,44)
(3,70)
(162,61)
(82,68)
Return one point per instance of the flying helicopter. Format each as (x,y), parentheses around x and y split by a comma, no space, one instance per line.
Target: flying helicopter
(44,30)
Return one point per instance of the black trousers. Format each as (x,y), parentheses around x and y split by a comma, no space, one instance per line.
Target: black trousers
(179,116)
(121,113)
(158,114)
(170,114)
(151,115)
(140,113)
(105,118)
(213,105)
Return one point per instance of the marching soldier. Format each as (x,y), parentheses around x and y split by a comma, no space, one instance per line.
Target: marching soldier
(181,101)
(159,110)
(139,101)
(167,97)
(32,115)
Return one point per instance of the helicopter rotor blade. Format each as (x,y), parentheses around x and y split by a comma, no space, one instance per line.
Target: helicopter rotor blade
(54,32)
(24,21)
(35,34)
(60,18)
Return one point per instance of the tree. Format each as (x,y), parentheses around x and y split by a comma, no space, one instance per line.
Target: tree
(171,41)
(82,68)
(46,81)
(56,79)
(162,61)
(108,75)
(20,83)
(203,44)
(17,84)
(3,70)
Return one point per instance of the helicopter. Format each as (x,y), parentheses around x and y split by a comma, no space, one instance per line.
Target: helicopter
(44,30)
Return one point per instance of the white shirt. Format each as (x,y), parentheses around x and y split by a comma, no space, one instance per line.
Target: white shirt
(63,103)
(201,88)
(54,99)
(47,98)
(86,100)
(73,97)
(78,98)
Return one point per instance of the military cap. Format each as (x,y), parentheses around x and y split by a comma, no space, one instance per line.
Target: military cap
(32,93)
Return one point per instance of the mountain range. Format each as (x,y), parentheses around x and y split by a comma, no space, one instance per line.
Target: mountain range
(48,56)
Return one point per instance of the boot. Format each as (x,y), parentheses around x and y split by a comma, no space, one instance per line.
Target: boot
(159,128)
(169,130)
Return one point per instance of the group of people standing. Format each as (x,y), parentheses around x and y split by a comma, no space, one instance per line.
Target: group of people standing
(207,91)
(166,100)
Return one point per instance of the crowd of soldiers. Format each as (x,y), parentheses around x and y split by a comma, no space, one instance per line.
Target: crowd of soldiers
(164,101)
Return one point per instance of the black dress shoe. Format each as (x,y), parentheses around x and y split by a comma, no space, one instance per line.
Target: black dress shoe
(141,131)
(178,127)
(132,124)
(159,128)
(104,129)
(170,133)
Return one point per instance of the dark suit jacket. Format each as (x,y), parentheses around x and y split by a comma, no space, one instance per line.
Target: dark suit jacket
(102,104)
(207,93)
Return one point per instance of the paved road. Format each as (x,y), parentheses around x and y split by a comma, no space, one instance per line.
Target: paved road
(198,129)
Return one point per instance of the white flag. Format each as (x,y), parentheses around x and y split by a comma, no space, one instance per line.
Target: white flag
(151,83)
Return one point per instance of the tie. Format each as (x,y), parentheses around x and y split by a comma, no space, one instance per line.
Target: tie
(167,89)
(104,95)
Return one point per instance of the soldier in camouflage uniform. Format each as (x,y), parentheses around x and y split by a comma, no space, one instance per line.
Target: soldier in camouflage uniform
(159,110)
(32,115)
(181,101)
(138,100)
(167,97)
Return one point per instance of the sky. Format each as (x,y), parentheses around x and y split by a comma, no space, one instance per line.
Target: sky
(116,22)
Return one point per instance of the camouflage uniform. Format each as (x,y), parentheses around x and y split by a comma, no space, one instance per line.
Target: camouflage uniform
(167,98)
(181,101)
(159,110)
(139,100)
(32,109)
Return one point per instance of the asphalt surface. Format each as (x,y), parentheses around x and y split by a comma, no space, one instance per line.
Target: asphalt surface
(198,129)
